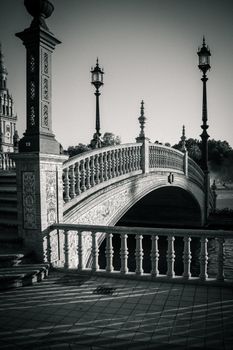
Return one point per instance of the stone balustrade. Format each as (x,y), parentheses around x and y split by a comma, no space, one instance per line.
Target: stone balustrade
(6,163)
(96,234)
(165,157)
(195,173)
(86,170)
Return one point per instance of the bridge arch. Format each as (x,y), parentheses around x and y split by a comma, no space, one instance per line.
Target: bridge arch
(108,205)
(165,206)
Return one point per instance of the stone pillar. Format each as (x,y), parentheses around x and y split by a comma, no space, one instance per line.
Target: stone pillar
(39,196)
(38,163)
(39,43)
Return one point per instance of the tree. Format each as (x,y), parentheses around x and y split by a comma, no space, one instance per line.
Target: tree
(109,139)
(80,148)
(193,147)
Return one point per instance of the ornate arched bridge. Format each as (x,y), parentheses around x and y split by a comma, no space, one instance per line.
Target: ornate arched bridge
(100,186)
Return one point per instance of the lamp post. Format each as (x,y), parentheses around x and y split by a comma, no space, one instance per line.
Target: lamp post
(97,80)
(204,65)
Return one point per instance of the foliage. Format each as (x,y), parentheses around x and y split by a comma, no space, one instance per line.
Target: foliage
(80,148)
(109,139)
(220,155)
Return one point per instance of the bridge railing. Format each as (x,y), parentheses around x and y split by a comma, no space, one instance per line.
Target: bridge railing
(84,171)
(195,173)
(6,163)
(165,157)
(95,235)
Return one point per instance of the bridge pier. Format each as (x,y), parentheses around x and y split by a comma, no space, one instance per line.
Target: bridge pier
(38,163)
(39,197)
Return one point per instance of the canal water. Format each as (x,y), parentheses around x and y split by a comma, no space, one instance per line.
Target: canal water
(224,200)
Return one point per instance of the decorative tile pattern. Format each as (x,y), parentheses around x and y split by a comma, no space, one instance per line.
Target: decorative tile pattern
(29,200)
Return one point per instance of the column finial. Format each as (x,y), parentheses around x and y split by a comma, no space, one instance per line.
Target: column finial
(142,121)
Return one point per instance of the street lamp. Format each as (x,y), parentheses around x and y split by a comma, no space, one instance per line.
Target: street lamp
(204,65)
(97,80)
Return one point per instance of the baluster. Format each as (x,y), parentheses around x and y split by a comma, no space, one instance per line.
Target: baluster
(120,162)
(72,181)
(97,170)
(139,254)
(126,160)
(48,250)
(170,257)
(124,254)
(93,168)
(66,185)
(83,175)
(113,164)
(154,256)
(203,259)
(123,161)
(95,252)
(109,165)
(101,167)
(105,166)
(80,251)
(187,257)
(117,161)
(77,179)
(88,173)
(138,158)
(66,249)
(109,252)
(220,259)
(4,161)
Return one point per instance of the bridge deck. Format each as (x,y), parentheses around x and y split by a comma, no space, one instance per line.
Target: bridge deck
(69,311)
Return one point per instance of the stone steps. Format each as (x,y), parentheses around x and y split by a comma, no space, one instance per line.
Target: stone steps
(14,274)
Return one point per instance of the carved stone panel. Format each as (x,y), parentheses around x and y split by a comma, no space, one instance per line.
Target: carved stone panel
(29,200)
(51,199)
(45,115)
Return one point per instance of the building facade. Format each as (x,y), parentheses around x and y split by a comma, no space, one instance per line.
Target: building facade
(8,118)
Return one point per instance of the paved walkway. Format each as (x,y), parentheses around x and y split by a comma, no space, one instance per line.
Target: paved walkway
(69,311)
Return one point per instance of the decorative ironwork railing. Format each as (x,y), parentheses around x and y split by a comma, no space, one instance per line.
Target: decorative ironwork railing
(165,157)
(88,239)
(6,163)
(84,171)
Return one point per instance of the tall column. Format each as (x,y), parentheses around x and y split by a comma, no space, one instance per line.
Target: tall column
(39,163)
(39,43)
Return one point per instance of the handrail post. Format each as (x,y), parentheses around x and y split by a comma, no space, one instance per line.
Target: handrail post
(145,156)
(66,249)
(80,251)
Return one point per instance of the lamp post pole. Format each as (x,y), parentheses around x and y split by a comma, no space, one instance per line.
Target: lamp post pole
(97,80)
(204,65)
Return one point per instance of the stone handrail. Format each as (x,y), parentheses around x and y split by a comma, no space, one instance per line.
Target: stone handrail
(165,157)
(6,163)
(94,233)
(89,169)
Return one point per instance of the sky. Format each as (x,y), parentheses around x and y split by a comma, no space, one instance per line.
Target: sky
(148,49)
